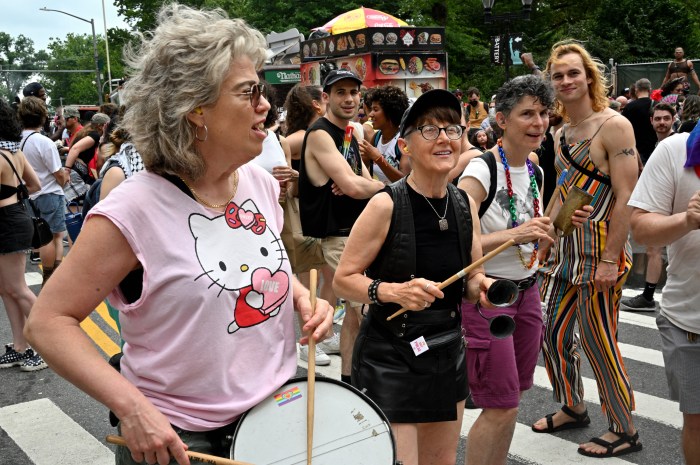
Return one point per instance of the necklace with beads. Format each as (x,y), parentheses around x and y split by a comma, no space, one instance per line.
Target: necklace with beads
(442,220)
(511,202)
(213,205)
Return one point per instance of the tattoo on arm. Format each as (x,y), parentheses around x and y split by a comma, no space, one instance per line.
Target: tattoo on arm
(627,152)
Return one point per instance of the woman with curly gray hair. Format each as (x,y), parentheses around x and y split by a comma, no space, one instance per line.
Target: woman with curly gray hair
(507,187)
(188,252)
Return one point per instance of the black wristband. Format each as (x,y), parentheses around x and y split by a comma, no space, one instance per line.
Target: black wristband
(372,292)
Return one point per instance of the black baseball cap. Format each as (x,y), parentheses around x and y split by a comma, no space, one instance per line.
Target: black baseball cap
(32,89)
(338,75)
(432,98)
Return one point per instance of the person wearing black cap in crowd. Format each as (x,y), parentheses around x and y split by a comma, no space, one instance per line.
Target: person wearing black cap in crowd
(35,89)
(413,235)
(328,169)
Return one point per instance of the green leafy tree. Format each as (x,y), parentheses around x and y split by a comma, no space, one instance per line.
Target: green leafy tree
(15,54)
(625,30)
(76,52)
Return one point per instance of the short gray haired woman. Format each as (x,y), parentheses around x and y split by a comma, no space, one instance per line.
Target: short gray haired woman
(189,249)
(515,212)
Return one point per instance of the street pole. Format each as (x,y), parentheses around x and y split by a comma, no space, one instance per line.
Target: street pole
(109,68)
(97,62)
(508,50)
(506,19)
(94,45)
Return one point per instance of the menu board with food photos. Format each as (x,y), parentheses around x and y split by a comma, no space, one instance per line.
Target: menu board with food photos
(410,65)
(370,39)
(415,73)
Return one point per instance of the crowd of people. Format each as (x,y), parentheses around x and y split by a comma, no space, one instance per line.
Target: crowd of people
(202,171)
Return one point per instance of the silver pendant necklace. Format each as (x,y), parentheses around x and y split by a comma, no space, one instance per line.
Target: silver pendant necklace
(442,220)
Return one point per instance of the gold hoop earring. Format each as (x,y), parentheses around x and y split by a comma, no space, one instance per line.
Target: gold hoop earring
(196,133)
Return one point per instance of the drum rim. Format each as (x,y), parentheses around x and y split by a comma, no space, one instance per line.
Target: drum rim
(324,379)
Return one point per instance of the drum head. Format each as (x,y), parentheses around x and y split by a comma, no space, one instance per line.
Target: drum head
(348,428)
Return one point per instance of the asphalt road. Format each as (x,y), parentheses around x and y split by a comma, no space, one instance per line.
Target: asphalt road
(45,420)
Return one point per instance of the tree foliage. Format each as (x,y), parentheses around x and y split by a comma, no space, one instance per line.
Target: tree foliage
(76,52)
(625,31)
(16,54)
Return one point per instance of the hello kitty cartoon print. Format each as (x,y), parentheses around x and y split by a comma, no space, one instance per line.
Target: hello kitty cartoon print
(239,253)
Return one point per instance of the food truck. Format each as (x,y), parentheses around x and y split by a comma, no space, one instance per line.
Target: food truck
(411,58)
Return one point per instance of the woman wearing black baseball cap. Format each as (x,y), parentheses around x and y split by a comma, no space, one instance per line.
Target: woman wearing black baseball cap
(411,236)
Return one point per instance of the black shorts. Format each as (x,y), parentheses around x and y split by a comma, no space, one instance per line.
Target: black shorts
(16,229)
(406,387)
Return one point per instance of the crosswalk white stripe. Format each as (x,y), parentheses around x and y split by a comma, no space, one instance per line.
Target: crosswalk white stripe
(642,354)
(33,278)
(638,320)
(49,436)
(549,449)
(654,408)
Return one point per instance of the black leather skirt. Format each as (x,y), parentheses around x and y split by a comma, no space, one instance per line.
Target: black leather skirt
(413,388)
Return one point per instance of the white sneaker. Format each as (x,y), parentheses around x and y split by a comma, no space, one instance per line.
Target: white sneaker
(321,358)
(331,345)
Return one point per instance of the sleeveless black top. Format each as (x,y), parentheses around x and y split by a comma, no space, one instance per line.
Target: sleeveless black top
(7,191)
(322,213)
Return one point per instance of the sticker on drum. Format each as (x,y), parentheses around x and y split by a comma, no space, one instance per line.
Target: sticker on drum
(348,427)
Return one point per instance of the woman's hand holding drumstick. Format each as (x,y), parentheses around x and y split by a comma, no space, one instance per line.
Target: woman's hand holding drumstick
(194,456)
(462,273)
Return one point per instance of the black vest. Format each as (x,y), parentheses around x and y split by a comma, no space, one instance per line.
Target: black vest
(396,261)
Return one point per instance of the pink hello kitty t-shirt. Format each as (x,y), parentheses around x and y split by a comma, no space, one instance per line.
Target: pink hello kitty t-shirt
(212,334)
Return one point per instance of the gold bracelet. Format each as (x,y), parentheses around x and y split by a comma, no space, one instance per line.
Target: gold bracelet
(612,262)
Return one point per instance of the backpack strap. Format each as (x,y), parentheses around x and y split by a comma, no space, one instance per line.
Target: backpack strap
(490,160)
(377,138)
(27,138)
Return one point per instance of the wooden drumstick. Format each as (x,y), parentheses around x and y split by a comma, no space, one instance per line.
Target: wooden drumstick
(465,271)
(196,456)
(311,371)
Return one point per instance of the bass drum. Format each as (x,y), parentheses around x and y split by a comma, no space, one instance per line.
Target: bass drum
(348,428)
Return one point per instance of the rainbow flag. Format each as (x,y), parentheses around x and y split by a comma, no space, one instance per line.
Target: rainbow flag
(287,396)
(347,139)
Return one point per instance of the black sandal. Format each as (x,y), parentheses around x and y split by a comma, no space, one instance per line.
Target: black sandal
(581,420)
(633,441)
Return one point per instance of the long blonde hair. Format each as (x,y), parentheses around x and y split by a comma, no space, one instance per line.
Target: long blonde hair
(595,71)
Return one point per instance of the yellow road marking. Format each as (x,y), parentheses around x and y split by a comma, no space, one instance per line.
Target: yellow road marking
(103,341)
(104,313)
(99,337)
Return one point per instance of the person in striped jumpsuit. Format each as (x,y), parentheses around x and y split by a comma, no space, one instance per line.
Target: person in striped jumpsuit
(582,280)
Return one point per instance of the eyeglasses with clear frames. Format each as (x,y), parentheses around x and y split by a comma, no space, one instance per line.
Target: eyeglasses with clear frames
(255,92)
(432,132)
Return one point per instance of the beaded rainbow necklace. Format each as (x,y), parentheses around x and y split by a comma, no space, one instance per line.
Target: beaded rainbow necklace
(511,202)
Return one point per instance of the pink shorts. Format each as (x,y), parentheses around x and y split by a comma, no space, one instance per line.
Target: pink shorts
(500,369)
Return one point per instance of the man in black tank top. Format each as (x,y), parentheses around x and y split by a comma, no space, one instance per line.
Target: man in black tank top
(681,67)
(334,186)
